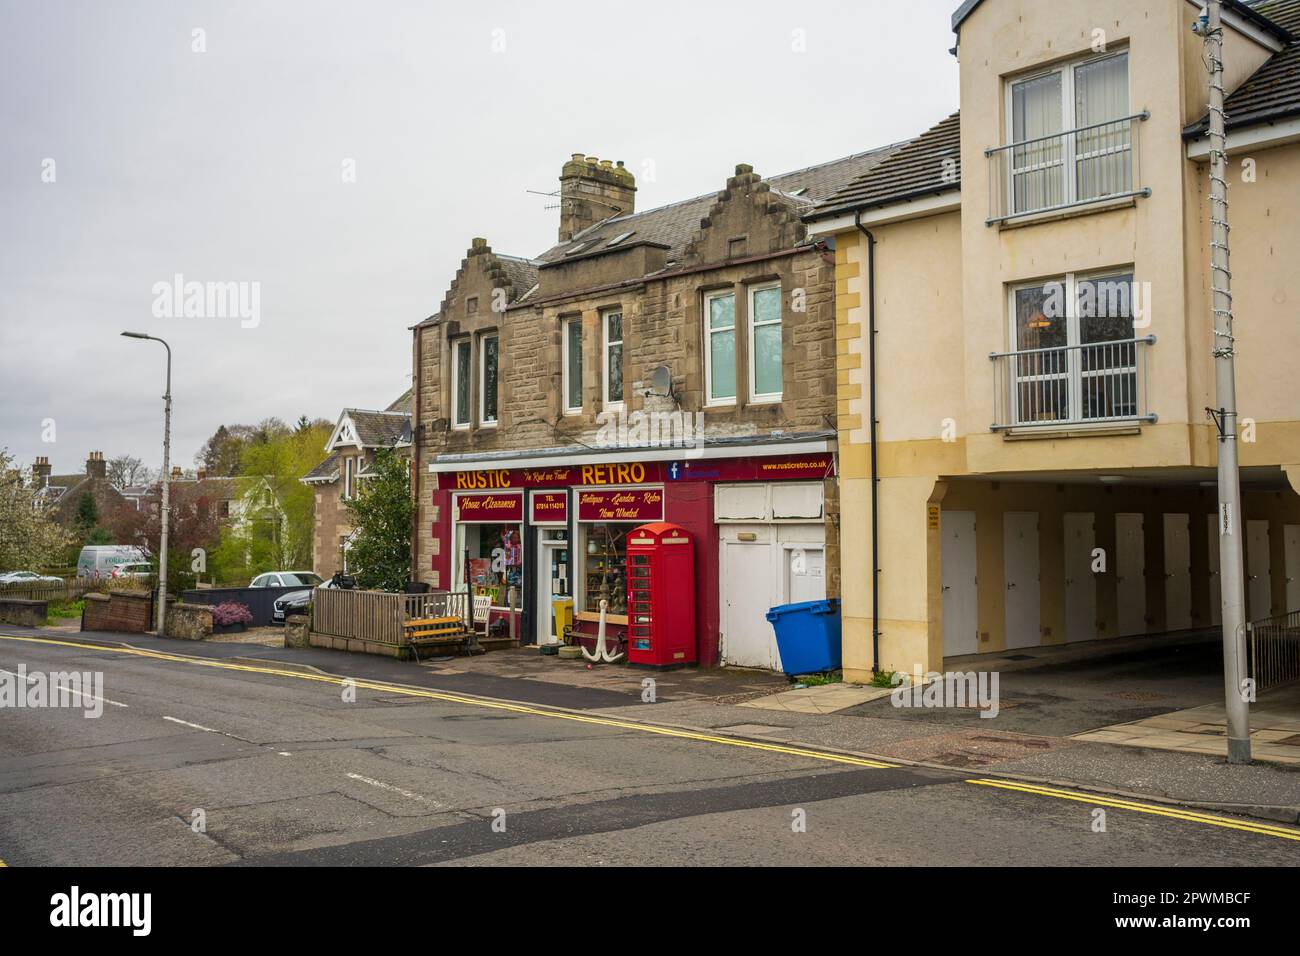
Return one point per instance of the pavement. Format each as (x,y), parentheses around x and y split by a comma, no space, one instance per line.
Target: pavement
(205,756)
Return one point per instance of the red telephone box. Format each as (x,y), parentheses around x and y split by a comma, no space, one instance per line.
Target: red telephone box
(661,596)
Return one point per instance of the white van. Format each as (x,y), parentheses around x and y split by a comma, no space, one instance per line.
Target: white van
(97,561)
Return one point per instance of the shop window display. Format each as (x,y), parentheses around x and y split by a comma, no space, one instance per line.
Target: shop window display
(605,567)
(495,561)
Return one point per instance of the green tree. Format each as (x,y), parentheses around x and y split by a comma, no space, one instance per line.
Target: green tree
(29,539)
(275,523)
(87,517)
(381,514)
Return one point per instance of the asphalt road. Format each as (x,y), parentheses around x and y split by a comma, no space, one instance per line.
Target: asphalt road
(282,769)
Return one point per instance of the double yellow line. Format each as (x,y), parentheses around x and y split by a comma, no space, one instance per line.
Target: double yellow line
(443,696)
(1172,812)
(1177,813)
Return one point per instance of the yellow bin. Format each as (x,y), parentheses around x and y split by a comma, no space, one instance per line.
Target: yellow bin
(562,608)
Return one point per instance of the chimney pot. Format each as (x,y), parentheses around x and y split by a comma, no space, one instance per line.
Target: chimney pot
(96,466)
(591,191)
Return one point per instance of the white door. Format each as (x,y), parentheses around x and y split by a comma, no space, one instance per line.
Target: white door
(1131,574)
(1020,557)
(1216,582)
(1178,572)
(1259,589)
(748,586)
(551,584)
(1291,541)
(804,573)
(1080,583)
(960,594)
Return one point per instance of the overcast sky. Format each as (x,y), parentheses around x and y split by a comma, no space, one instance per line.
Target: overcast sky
(228,165)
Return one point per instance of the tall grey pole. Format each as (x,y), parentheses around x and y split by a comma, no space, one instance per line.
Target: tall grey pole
(1231,520)
(165,482)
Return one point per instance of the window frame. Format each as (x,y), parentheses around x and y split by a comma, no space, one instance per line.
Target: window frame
(709,332)
(566,382)
(756,397)
(456,345)
(349,475)
(612,404)
(1074,375)
(1066,69)
(483,420)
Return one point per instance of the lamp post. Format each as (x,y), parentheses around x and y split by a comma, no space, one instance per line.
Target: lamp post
(166,481)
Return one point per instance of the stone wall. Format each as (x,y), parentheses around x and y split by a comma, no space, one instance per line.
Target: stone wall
(127,611)
(189,622)
(23,612)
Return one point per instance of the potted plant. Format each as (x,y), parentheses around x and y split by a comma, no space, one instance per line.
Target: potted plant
(230,616)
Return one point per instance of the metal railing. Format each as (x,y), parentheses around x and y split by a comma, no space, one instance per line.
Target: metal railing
(1077,167)
(1274,650)
(1072,384)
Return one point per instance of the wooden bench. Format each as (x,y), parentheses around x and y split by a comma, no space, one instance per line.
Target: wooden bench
(435,632)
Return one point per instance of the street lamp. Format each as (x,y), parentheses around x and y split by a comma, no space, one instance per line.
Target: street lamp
(166,464)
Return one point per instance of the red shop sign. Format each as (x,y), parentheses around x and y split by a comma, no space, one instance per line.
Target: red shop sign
(550,507)
(504,508)
(623,504)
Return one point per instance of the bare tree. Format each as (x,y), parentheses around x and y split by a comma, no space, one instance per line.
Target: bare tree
(125,470)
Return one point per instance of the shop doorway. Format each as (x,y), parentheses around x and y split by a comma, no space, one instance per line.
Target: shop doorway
(552,581)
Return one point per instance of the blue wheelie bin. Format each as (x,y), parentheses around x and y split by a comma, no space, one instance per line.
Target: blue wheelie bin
(807,635)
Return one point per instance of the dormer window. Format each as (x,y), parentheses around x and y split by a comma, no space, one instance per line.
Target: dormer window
(460,383)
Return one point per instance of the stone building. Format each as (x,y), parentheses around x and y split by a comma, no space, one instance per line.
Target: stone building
(358,435)
(676,364)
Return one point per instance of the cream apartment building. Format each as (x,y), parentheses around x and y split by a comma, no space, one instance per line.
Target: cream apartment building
(1026,284)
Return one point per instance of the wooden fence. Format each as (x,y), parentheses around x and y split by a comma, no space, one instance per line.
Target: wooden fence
(380,615)
(66,590)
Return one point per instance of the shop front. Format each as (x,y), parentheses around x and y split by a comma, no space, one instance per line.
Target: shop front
(538,532)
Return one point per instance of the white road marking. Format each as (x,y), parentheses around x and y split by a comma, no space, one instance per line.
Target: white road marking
(389,787)
(177,720)
(63,687)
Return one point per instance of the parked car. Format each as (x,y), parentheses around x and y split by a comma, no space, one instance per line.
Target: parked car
(295,602)
(135,571)
(98,560)
(28,577)
(286,579)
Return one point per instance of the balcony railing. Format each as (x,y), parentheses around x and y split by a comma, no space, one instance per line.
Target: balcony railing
(1078,167)
(1072,385)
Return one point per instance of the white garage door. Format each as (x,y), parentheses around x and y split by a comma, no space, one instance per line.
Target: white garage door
(759,567)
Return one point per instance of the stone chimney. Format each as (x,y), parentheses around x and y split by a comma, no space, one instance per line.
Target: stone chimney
(176,472)
(592,190)
(203,473)
(96,467)
(41,472)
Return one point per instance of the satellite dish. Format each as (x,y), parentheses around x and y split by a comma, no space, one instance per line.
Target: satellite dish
(661,381)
